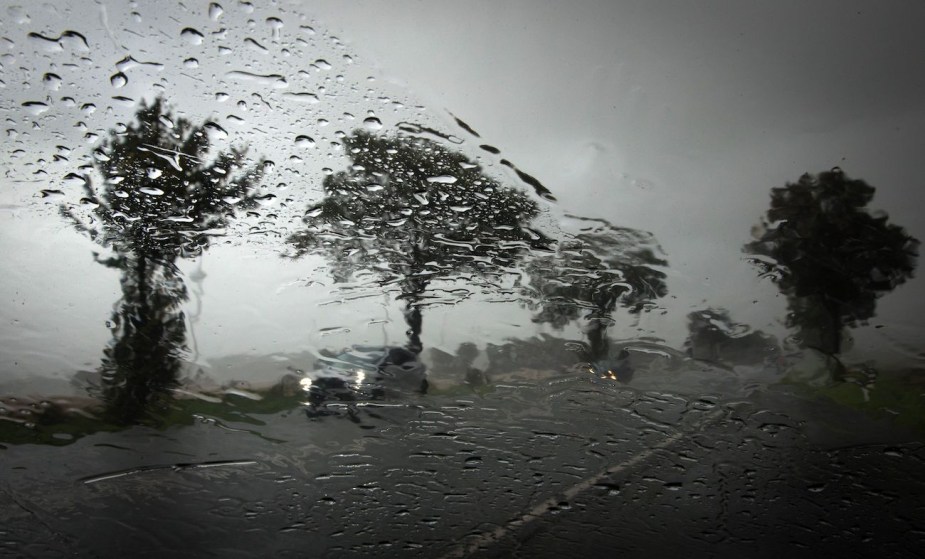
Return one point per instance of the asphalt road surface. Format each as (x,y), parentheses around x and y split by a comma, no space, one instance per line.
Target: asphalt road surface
(566,470)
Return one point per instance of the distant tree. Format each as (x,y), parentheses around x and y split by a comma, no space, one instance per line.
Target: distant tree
(162,195)
(716,338)
(829,255)
(600,269)
(413,211)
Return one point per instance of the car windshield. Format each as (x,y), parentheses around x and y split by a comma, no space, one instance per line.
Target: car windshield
(461,279)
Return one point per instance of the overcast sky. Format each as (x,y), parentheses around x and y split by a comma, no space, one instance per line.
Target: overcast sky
(672,117)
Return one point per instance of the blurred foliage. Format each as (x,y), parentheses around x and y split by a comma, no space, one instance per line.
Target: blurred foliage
(715,337)
(829,255)
(163,193)
(412,211)
(162,196)
(591,275)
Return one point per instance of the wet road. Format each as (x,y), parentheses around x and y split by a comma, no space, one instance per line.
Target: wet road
(593,471)
(740,488)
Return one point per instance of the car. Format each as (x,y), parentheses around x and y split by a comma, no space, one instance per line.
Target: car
(362,374)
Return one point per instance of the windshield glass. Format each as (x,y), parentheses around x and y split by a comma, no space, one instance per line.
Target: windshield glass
(432,280)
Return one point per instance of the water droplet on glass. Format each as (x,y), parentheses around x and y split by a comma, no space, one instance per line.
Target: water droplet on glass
(255,45)
(221,96)
(191,36)
(304,142)
(151,190)
(323,64)
(35,108)
(266,199)
(442,179)
(275,80)
(52,194)
(275,24)
(191,63)
(216,129)
(52,81)
(302,97)
(69,39)
(372,124)
(215,11)
(73,179)
(118,79)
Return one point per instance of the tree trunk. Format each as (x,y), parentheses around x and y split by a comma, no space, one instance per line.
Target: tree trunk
(415,321)
(598,344)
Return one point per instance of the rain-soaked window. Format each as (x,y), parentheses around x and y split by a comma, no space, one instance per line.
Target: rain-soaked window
(515,279)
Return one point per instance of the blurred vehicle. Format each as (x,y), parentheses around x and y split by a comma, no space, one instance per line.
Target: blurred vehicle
(362,374)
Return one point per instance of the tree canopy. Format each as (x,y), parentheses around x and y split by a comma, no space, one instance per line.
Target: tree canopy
(163,193)
(590,275)
(830,255)
(413,211)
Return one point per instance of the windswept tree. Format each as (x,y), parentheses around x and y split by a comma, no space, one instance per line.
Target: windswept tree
(161,196)
(413,211)
(829,255)
(591,275)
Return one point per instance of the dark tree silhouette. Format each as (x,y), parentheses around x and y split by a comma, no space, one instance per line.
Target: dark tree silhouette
(714,337)
(143,362)
(162,195)
(413,211)
(592,274)
(829,255)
